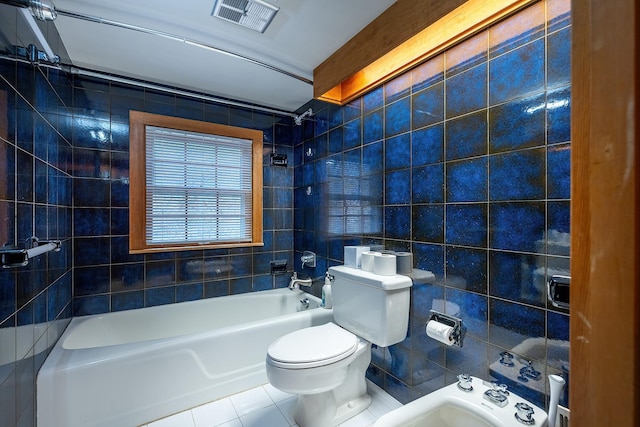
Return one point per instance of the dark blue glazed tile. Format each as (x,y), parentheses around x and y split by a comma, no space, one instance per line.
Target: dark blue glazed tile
(88,132)
(120,251)
(24,177)
(335,140)
(283,197)
(467,91)
(516,226)
(470,307)
(91,281)
(467,136)
(427,106)
(427,145)
(517,124)
(517,30)
(159,296)
(466,225)
(519,175)
(120,136)
(217,288)
(190,292)
(283,134)
(373,127)
(559,115)
(558,340)
(283,240)
(467,180)
(91,251)
(428,73)
(517,73)
(321,120)
(121,105)
(472,357)
(558,223)
(397,187)
(352,110)
(127,300)
(558,14)
(517,277)
(119,165)
(428,223)
(352,134)
(397,117)
(335,116)
(397,222)
(127,277)
(373,100)
(96,304)
(91,192)
(240,285)
(91,222)
(427,184)
(467,269)
(397,152)
(429,257)
(262,283)
(119,192)
(559,58)
(372,158)
(397,88)
(512,323)
(467,54)
(190,270)
(399,362)
(25,131)
(41,183)
(160,273)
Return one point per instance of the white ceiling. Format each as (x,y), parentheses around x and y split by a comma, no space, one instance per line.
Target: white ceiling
(302,35)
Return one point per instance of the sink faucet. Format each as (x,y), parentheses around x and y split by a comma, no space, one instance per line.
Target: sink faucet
(294,283)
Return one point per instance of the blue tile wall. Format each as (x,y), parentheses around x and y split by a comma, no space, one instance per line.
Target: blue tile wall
(473,151)
(35,200)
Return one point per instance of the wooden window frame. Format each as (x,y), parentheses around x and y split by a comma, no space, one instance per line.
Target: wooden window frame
(137,179)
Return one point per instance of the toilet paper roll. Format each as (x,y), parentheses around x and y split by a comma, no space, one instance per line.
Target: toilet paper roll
(404,262)
(384,264)
(367,260)
(440,332)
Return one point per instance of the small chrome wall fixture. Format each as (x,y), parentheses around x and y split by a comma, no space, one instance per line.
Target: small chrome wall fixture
(558,291)
(11,256)
(458,327)
(298,119)
(308,258)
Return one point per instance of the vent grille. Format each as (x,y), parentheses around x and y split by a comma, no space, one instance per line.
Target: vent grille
(253,14)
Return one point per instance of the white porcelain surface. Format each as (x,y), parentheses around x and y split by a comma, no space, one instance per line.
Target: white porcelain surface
(96,361)
(452,407)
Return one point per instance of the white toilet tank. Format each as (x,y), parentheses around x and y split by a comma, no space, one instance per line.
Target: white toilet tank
(371,306)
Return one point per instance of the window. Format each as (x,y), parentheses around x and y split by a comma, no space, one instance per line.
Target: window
(194,185)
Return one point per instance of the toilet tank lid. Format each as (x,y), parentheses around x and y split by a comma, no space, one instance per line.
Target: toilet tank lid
(387,283)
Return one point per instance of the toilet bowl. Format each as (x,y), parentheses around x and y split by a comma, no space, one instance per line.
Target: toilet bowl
(326,365)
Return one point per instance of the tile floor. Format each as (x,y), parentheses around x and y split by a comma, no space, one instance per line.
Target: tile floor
(265,406)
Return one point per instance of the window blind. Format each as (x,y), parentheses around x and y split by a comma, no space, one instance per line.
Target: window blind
(198,187)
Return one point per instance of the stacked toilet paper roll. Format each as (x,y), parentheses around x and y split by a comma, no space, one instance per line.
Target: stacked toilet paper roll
(368,259)
(404,262)
(384,264)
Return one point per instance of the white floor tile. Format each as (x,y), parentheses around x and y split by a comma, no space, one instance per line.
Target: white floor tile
(363,419)
(232,423)
(214,414)
(288,408)
(267,417)
(276,394)
(251,400)
(183,419)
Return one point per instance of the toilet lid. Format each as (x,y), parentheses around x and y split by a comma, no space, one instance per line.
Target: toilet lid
(315,346)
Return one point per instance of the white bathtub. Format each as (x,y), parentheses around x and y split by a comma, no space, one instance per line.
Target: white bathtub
(127,368)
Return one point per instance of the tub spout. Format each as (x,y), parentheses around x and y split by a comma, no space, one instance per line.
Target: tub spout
(295,283)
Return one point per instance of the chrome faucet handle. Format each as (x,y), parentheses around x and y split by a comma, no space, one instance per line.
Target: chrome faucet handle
(497,395)
(506,358)
(529,372)
(524,414)
(464,382)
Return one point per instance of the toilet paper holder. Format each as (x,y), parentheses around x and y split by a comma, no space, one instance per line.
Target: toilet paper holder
(459,329)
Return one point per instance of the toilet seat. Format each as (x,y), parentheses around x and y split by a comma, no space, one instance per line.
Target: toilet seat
(312,347)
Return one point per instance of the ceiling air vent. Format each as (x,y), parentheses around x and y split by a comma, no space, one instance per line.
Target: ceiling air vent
(253,14)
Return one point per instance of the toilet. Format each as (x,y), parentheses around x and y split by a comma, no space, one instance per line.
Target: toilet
(325,365)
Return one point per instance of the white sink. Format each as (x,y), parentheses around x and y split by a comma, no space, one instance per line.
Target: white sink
(452,407)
